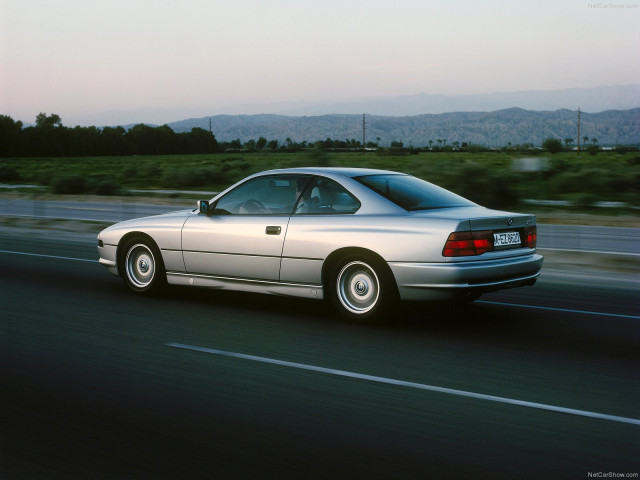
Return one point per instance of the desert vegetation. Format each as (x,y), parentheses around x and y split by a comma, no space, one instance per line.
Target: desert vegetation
(495,179)
(151,158)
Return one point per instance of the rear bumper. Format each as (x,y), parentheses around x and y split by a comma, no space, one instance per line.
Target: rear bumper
(444,281)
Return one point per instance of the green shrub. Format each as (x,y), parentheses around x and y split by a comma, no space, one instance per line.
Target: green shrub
(314,158)
(585,199)
(105,187)
(234,164)
(69,185)
(193,177)
(606,183)
(480,183)
(552,145)
(8,174)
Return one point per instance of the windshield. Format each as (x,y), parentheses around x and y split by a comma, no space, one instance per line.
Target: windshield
(411,193)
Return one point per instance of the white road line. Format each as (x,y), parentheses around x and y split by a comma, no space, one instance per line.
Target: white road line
(487,302)
(402,383)
(57,257)
(555,309)
(600,252)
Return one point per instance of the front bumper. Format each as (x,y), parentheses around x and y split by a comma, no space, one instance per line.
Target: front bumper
(445,281)
(107,254)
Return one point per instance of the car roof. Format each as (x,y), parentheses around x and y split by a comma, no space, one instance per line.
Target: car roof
(345,171)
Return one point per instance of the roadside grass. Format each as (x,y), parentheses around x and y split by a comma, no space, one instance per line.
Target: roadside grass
(494,179)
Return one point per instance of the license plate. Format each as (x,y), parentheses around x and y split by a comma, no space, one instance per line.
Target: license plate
(506,238)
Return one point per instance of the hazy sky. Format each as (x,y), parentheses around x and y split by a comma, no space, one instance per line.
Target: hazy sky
(79,58)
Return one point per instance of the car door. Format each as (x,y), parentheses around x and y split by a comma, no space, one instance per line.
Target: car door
(244,235)
(321,223)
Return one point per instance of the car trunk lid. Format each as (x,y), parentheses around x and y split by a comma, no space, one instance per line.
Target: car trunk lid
(491,233)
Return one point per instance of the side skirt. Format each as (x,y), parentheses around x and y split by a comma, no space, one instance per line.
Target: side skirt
(246,285)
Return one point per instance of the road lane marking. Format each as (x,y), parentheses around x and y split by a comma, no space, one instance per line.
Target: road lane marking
(402,383)
(487,302)
(600,252)
(57,257)
(556,309)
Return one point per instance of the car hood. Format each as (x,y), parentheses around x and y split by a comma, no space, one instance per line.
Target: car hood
(171,220)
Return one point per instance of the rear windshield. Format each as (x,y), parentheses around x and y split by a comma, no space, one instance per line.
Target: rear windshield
(411,193)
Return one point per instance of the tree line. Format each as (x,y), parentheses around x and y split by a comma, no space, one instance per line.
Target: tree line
(50,138)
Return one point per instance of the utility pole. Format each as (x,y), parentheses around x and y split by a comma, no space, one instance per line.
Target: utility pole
(210,137)
(578,131)
(364,129)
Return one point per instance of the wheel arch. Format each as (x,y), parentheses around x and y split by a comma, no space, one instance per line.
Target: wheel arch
(336,256)
(126,239)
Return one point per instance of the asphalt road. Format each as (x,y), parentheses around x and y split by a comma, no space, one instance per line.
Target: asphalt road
(538,382)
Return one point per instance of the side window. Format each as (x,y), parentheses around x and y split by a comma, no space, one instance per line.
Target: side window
(324,196)
(270,195)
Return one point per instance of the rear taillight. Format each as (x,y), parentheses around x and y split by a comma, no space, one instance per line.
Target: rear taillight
(461,244)
(530,237)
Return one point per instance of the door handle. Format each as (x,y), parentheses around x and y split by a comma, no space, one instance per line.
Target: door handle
(273,230)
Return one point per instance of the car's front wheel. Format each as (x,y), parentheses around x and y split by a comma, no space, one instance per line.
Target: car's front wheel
(362,289)
(141,266)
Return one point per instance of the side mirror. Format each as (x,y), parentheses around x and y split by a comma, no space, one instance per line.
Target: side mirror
(203,207)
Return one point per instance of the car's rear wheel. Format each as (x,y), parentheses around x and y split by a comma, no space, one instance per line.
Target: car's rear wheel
(362,289)
(141,266)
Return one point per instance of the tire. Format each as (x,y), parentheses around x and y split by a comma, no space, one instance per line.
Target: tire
(361,289)
(141,266)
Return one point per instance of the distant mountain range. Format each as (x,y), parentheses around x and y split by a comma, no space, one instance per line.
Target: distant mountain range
(596,99)
(496,128)
(592,100)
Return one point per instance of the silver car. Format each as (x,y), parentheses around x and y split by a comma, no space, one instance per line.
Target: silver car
(362,239)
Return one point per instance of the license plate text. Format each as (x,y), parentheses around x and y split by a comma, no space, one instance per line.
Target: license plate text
(506,238)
